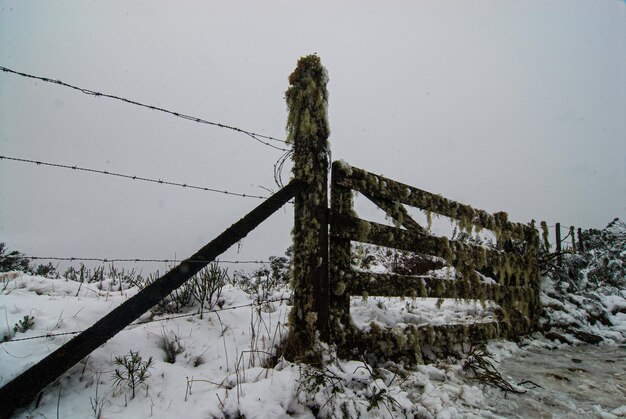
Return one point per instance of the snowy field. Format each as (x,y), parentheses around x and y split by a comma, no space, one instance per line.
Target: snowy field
(215,366)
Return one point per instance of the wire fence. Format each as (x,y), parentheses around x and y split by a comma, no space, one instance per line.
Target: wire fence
(133,177)
(163,319)
(109,260)
(261,138)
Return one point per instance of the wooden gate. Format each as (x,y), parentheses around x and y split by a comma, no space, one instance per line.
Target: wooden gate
(514,262)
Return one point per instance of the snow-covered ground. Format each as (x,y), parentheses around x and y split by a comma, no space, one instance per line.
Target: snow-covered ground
(218,364)
(220,368)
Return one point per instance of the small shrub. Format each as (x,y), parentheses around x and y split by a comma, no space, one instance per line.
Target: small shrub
(171,345)
(70,274)
(23,325)
(47,271)
(12,261)
(206,286)
(261,283)
(98,402)
(280,266)
(174,303)
(478,366)
(134,371)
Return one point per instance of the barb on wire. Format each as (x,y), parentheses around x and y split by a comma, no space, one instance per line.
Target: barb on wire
(132,177)
(263,139)
(256,303)
(107,260)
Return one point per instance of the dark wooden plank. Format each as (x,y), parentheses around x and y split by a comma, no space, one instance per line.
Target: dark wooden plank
(380,187)
(455,252)
(397,212)
(393,285)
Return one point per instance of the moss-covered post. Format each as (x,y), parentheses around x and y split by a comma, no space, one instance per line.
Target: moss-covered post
(308,131)
(340,269)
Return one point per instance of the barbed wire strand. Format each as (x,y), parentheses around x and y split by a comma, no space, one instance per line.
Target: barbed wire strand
(256,136)
(107,260)
(278,168)
(131,177)
(50,335)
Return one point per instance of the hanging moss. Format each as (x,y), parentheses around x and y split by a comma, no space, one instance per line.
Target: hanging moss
(307,101)
(515,262)
(307,130)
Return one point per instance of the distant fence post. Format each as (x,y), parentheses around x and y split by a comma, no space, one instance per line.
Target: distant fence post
(559,258)
(571,233)
(581,248)
(308,131)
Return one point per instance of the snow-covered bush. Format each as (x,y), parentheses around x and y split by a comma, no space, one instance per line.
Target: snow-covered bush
(584,297)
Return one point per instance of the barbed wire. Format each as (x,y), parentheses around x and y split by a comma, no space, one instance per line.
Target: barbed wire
(47,335)
(132,177)
(178,316)
(108,260)
(256,136)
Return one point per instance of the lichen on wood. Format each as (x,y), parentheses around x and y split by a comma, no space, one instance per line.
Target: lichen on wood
(514,261)
(307,102)
(308,131)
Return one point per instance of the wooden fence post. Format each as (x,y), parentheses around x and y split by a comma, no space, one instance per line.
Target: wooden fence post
(340,252)
(559,258)
(308,131)
(581,248)
(571,233)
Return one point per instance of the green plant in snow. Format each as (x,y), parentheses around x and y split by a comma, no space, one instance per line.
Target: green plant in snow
(174,303)
(206,286)
(171,346)
(12,261)
(48,271)
(133,371)
(316,383)
(280,266)
(23,325)
(478,366)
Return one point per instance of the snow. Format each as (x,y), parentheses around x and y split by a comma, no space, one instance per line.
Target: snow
(221,369)
(393,311)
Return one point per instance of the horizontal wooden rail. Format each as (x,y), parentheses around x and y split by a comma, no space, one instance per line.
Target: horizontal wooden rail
(397,212)
(380,187)
(416,344)
(353,228)
(394,285)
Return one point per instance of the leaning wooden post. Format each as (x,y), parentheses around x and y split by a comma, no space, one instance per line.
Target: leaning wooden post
(308,131)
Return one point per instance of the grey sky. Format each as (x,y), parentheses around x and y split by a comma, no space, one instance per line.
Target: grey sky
(503,105)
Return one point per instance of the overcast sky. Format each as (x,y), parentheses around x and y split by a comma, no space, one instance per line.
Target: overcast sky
(504,105)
